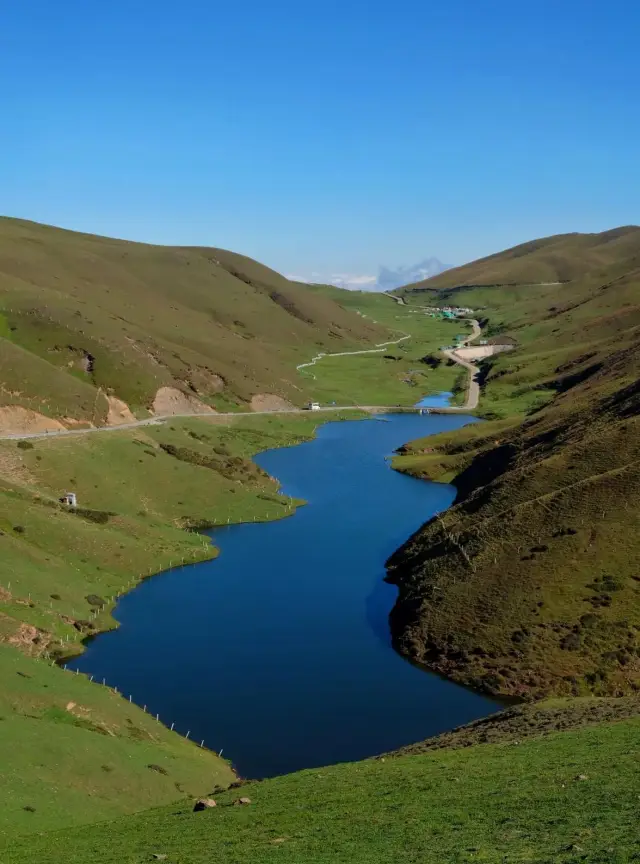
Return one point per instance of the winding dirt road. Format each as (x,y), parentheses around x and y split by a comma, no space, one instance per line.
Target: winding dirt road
(473,387)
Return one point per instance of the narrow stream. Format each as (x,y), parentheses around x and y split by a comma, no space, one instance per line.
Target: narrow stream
(279,650)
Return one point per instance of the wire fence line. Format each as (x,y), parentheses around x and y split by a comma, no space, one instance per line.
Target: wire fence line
(171,727)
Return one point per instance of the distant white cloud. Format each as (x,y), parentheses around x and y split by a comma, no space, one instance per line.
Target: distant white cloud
(386,280)
(351,281)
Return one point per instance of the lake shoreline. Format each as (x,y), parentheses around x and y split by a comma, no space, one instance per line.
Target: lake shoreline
(439,405)
(134,599)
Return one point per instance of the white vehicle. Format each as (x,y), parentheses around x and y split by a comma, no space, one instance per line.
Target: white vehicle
(313,406)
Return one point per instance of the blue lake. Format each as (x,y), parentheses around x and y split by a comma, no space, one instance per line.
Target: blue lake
(279,651)
(439,400)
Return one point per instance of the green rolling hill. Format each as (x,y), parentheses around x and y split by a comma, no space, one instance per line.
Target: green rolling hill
(83,318)
(529,585)
(560,258)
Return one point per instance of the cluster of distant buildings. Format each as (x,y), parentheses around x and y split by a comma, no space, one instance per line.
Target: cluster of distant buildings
(446,312)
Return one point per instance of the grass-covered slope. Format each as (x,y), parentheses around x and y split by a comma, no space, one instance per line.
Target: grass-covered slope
(83,317)
(524,720)
(403,372)
(71,751)
(530,583)
(566,797)
(559,258)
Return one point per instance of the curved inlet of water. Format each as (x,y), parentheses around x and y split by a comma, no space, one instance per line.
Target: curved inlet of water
(439,400)
(278,651)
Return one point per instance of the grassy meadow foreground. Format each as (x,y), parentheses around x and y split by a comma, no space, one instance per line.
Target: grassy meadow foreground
(565,797)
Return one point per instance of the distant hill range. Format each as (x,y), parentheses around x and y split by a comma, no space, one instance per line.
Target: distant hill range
(95,330)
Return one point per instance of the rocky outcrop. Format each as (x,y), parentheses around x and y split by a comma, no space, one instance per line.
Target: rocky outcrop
(17,420)
(204,804)
(171,402)
(269,402)
(119,412)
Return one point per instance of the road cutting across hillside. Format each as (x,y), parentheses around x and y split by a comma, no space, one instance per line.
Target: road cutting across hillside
(470,404)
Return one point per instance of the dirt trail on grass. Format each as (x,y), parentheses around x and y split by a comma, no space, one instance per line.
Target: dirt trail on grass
(473,387)
(400,300)
(379,347)
(466,360)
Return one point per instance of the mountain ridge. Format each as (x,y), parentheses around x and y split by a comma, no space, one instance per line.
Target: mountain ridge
(84,317)
(556,258)
(527,586)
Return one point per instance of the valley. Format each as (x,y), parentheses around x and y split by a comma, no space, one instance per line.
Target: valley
(194,363)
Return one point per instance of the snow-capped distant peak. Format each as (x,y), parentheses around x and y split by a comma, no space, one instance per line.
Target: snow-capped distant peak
(386,280)
(389,279)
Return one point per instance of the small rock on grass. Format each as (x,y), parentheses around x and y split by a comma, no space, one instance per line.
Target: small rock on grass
(204,804)
(243,801)
(159,856)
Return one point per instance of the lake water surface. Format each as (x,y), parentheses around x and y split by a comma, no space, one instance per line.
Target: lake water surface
(437,400)
(279,651)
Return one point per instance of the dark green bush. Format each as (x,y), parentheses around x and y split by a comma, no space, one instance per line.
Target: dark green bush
(95,600)
(100,517)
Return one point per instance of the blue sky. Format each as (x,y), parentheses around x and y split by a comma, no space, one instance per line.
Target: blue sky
(323,136)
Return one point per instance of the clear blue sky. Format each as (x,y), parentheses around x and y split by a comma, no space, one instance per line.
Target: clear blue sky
(326,135)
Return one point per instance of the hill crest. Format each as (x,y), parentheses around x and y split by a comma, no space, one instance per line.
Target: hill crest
(554,259)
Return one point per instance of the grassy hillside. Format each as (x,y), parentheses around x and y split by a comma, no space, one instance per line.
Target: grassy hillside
(72,752)
(565,797)
(560,258)
(529,584)
(91,329)
(83,317)
(404,371)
